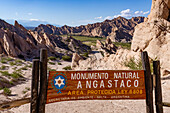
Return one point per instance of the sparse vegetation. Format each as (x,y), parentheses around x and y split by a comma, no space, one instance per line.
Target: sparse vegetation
(67,68)
(123,45)
(132,64)
(66,58)
(18,61)
(3,61)
(3,67)
(52,63)
(52,58)
(15,74)
(52,70)
(7,91)
(59,63)
(9,59)
(12,63)
(24,68)
(5,73)
(85,55)
(26,90)
(87,40)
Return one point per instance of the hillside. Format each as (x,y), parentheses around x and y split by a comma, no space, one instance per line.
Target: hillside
(118,29)
(16,41)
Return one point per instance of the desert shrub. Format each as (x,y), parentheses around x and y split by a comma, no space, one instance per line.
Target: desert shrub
(52,70)
(66,58)
(16,75)
(86,55)
(67,68)
(18,61)
(59,63)
(123,45)
(24,68)
(52,58)
(12,63)
(7,91)
(5,73)
(9,59)
(27,88)
(30,66)
(3,61)
(11,82)
(24,91)
(52,63)
(3,67)
(132,64)
(14,68)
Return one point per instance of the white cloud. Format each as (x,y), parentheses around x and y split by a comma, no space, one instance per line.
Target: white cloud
(124,13)
(128,14)
(108,17)
(141,13)
(147,12)
(34,19)
(98,18)
(29,13)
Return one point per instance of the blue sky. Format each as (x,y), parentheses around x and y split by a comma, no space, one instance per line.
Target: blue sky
(70,12)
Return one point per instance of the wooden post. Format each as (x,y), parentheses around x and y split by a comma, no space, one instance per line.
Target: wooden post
(148,83)
(34,86)
(43,81)
(158,89)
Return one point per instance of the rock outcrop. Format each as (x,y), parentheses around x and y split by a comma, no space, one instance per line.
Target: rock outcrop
(108,47)
(153,35)
(113,61)
(118,29)
(16,41)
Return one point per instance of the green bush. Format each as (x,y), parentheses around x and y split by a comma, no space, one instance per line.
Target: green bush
(12,63)
(67,68)
(24,68)
(5,73)
(59,63)
(66,58)
(18,61)
(27,88)
(16,74)
(30,66)
(132,64)
(3,61)
(52,58)
(9,59)
(7,91)
(3,67)
(52,70)
(52,63)
(86,55)
(123,45)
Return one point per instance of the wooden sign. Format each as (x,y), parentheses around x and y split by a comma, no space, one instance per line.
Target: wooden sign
(95,85)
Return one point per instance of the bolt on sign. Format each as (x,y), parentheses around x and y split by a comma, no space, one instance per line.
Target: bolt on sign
(95,85)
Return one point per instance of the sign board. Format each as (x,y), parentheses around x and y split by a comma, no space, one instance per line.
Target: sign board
(95,85)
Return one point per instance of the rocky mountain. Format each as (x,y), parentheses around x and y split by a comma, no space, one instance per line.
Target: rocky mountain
(118,30)
(153,35)
(16,41)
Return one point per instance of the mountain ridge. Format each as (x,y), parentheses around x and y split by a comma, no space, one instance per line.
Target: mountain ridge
(118,29)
